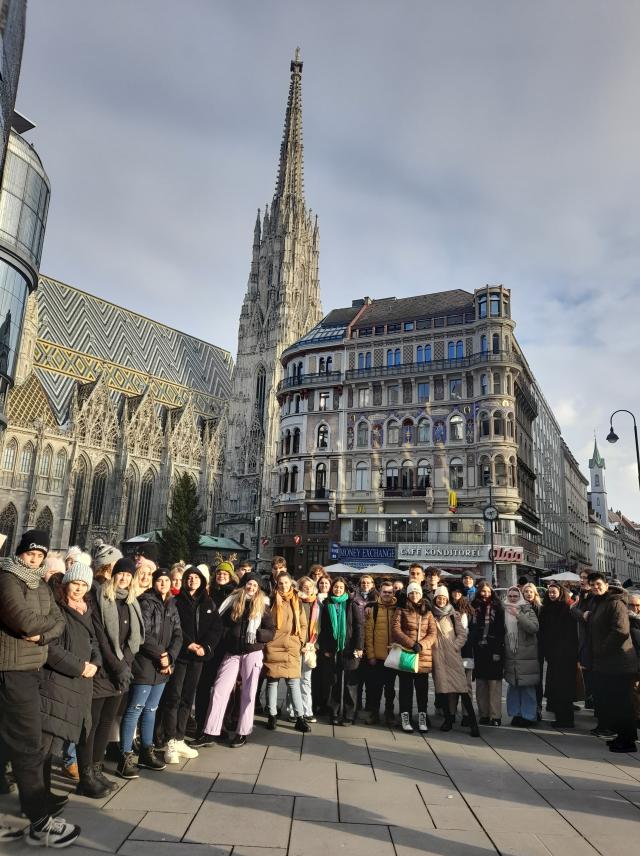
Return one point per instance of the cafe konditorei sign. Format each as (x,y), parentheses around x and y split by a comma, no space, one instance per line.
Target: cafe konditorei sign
(458,553)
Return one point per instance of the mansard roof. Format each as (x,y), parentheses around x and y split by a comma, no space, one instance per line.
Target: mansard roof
(390,309)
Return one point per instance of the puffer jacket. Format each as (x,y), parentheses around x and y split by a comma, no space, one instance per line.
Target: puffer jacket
(608,635)
(415,623)
(162,632)
(65,696)
(200,622)
(377,629)
(448,672)
(219,594)
(282,653)
(522,667)
(25,612)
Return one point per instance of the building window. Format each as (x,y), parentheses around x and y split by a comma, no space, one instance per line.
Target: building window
(393,434)
(285,481)
(9,456)
(596,480)
(323,437)
(287,443)
(510,425)
(98,490)
(408,326)
(497,383)
(294,479)
(494,305)
(61,465)
(512,473)
(361,360)
(482,306)
(321,481)
(451,351)
(495,343)
(427,353)
(397,360)
(367,360)
(323,401)
(329,364)
(362,477)
(498,423)
(484,389)
(362,434)
(423,393)
(456,474)
(407,475)
(392,476)
(424,431)
(296,406)
(469,386)
(321,365)
(364,397)
(393,394)
(393,328)
(459,350)
(286,523)
(455,387)
(424,479)
(389,358)
(483,344)
(296,440)
(485,424)
(420,354)
(360,530)
(144,505)
(261,382)
(8,525)
(501,472)
(45,463)
(26,459)
(456,427)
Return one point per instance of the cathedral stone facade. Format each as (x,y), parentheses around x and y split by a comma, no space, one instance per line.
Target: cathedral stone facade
(108,408)
(281,304)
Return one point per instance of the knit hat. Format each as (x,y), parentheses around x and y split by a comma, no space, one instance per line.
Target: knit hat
(148,550)
(34,539)
(124,566)
(442,591)
(78,573)
(225,566)
(414,587)
(247,578)
(105,554)
(161,572)
(204,570)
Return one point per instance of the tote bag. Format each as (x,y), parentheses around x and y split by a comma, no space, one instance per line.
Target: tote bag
(403,659)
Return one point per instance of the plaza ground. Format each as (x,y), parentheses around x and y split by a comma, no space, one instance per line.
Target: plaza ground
(370,790)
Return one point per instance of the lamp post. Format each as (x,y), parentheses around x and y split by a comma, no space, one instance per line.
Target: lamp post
(612,437)
(257,522)
(490,514)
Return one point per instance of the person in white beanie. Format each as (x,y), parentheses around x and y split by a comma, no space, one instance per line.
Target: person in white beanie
(204,570)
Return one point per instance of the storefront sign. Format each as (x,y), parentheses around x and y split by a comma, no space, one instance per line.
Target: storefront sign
(507,554)
(346,552)
(459,553)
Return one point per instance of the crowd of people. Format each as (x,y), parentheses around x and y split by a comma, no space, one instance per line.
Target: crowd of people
(104,656)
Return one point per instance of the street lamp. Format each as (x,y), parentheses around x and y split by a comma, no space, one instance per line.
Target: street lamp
(490,514)
(612,437)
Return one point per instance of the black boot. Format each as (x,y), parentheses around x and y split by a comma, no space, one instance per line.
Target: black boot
(302,725)
(100,777)
(149,760)
(272,722)
(89,786)
(447,725)
(126,768)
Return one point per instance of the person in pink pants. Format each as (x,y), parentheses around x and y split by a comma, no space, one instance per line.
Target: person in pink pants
(248,626)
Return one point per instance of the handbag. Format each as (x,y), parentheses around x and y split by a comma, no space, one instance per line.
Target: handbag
(403,659)
(310,659)
(468,663)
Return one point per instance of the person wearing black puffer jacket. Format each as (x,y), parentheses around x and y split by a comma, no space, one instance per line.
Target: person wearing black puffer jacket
(201,631)
(152,668)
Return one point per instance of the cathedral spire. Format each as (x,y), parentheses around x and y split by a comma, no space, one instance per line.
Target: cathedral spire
(290,180)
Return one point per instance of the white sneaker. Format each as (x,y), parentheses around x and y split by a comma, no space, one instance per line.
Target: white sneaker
(422,722)
(10,833)
(405,722)
(56,832)
(171,754)
(184,750)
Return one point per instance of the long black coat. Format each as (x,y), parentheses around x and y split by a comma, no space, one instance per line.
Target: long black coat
(558,639)
(162,632)
(354,640)
(200,622)
(114,675)
(609,637)
(235,632)
(488,653)
(65,696)
(220,593)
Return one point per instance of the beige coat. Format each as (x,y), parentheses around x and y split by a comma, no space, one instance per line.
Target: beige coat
(282,654)
(448,672)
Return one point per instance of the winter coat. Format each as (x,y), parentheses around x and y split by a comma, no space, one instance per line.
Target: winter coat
(448,672)
(235,632)
(162,633)
(377,629)
(282,653)
(608,635)
(25,612)
(634,629)
(65,696)
(415,623)
(354,640)
(114,676)
(364,601)
(200,622)
(578,610)
(522,666)
(488,649)
(220,593)
(558,640)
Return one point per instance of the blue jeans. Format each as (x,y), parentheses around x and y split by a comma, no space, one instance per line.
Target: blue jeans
(293,686)
(143,704)
(521,701)
(305,692)
(69,756)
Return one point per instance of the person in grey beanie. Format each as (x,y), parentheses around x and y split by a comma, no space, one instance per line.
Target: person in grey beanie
(104,558)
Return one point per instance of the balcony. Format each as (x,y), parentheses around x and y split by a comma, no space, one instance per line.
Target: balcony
(434,365)
(416,537)
(319,379)
(397,493)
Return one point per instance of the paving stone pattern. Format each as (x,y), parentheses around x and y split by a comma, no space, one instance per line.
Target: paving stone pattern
(374,791)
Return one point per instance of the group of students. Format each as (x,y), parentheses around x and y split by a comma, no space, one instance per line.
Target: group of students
(111,650)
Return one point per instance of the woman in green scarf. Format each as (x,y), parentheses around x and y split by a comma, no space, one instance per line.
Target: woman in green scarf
(341,641)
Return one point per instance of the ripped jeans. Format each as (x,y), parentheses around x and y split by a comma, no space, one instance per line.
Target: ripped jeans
(143,704)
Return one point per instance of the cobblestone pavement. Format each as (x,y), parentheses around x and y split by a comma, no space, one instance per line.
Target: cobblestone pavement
(371,790)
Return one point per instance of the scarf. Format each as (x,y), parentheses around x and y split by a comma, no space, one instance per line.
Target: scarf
(487,613)
(31,577)
(111,623)
(441,612)
(511,621)
(314,613)
(253,623)
(174,591)
(338,616)
(278,609)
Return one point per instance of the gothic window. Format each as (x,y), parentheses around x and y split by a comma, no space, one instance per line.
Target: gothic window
(407,432)
(362,436)
(485,424)
(45,520)
(498,423)
(456,427)
(321,480)
(294,479)
(9,456)
(393,434)
(495,343)
(362,476)
(392,476)
(321,365)
(98,491)
(26,459)
(296,440)
(423,431)
(144,506)
(45,463)
(501,471)
(483,344)
(424,479)
(497,383)
(78,499)
(323,437)
(407,475)
(8,525)
(456,474)
(261,383)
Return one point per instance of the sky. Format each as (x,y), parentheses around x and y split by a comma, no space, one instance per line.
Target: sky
(447,145)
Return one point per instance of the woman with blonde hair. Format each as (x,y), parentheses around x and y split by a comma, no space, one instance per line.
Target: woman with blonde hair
(532,597)
(248,626)
(283,653)
(143,577)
